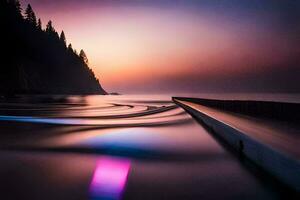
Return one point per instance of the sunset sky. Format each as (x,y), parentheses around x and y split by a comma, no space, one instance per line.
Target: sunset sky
(183,46)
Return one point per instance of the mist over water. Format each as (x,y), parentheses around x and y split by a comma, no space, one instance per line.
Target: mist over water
(116,147)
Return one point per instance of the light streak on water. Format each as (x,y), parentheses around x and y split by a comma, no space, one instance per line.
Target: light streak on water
(109,179)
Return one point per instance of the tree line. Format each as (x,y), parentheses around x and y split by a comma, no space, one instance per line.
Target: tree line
(37,60)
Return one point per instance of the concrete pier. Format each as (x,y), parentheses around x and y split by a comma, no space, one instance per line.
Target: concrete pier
(272,144)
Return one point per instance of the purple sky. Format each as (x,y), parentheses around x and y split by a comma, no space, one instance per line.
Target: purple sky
(184,46)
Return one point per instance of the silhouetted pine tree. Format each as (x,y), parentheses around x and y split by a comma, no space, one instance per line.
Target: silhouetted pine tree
(62,38)
(70,48)
(49,28)
(39,24)
(30,15)
(83,57)
(51,31)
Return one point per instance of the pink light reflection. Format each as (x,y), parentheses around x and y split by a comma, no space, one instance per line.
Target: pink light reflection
(109,178)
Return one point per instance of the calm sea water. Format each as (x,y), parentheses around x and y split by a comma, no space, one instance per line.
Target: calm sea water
(117,147)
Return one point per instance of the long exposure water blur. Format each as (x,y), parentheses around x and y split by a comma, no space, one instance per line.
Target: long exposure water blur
(117,147)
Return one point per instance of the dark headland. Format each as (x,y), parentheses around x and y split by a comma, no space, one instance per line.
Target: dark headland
(34,60)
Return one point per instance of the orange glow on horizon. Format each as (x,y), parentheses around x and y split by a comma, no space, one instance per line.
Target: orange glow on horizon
(133,45)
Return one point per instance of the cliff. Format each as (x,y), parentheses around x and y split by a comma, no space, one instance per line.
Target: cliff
(37,61)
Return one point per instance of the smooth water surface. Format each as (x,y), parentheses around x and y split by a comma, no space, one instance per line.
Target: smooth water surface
(116,147)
